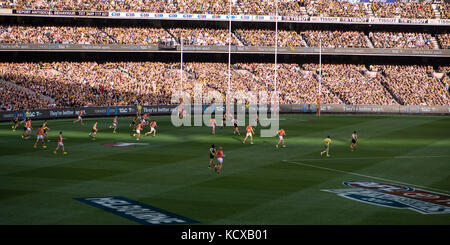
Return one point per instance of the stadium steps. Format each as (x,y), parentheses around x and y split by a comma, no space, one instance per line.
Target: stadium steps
(111,37)
(173,36)
(26,90)
(304,39)
(369,10)
(437,14)
(239,7)
(368,41)
(238,37)
(387,87)
(337,94)
(435,42)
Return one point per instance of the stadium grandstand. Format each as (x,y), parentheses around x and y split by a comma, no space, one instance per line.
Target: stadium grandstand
(343,71)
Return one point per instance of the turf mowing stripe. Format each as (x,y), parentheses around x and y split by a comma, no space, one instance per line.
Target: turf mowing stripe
(363,175)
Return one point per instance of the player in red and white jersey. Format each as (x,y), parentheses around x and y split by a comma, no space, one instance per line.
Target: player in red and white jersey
(281,134)
(27,129)
(213,125)
(40,136)
(60,144)
(114,125)
(80,118)
(138,131)
(220,157)
(250,133)
(152,128)
(145,119)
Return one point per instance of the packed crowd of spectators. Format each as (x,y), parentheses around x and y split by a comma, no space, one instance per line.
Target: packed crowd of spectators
(267,38)
(83,35)
(216,36)
(412,10)
(335,39)
(335,8)
(204,36)
(12,98)
(414,85)
(349,82)
(401,40)
(326,8)
(74,84)
(53,34)
(444,9)
(444,40)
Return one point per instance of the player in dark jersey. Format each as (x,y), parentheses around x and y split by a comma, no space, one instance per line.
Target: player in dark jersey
(354,139)
(235,126)
(15,123)
(212,154)
(224,120)
(44,126)
(133,123)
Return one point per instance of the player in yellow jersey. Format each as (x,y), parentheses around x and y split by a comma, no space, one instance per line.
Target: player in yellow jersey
(94,131)
(326,142)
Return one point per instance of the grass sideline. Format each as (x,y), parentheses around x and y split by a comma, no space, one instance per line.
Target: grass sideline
(260,184)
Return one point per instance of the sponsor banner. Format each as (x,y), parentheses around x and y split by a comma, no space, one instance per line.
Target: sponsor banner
(384,20)
(325,19)
(295,18)
(439,21)
(136,211)
(60,12)
(352,19)
(395,196)
(5,11)
(414,21)
(209,17)
(167,110)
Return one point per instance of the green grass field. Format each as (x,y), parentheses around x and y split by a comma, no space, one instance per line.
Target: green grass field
(260,184)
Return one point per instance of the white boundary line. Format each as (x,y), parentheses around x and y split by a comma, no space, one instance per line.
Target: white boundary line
(362,175)
(368,158)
